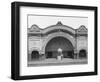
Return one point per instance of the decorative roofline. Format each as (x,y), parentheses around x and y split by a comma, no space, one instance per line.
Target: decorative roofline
(35,29)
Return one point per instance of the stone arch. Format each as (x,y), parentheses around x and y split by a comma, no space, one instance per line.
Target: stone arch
(59,34)
(34,49)
(59,25)
(56,43)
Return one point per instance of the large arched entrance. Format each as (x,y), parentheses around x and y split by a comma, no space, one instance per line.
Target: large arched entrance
(52,47)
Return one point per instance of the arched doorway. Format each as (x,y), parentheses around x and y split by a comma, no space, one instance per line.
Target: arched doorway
(82,53)
(35,55)
(51,49)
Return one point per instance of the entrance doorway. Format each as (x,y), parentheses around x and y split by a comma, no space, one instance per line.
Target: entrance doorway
(35,55)
(82,53)
(51,49)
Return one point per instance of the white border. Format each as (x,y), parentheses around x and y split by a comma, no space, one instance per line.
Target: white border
(24,70)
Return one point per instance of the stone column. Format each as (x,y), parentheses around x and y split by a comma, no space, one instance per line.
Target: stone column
(75,50)
(42,53)
(29,55)
(75,53)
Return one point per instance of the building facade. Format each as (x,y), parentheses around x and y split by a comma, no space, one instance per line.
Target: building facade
(45,43)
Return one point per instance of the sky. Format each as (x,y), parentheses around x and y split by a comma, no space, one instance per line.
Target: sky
(44,21)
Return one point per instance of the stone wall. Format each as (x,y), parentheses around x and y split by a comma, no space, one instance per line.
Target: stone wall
(39,38)
(82,43)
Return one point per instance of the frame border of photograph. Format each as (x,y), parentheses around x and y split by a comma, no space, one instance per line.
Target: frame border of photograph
(15,40)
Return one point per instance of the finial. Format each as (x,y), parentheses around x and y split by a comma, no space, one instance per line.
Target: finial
(59,23)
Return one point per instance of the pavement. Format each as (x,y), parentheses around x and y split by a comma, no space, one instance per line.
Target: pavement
(52,61)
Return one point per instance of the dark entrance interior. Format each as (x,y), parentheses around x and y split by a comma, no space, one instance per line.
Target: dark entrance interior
(35,55)
(59,42)
(82,53)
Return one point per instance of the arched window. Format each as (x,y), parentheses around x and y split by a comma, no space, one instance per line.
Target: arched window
(34,55)
(82,53)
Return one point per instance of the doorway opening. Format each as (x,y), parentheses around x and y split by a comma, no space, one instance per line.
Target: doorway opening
(35,55)
(82,54)
(51,49)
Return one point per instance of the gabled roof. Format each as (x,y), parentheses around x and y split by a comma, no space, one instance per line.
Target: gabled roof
(81,30)
(34,28)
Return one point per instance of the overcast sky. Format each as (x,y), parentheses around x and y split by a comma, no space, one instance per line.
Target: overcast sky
(45,21)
